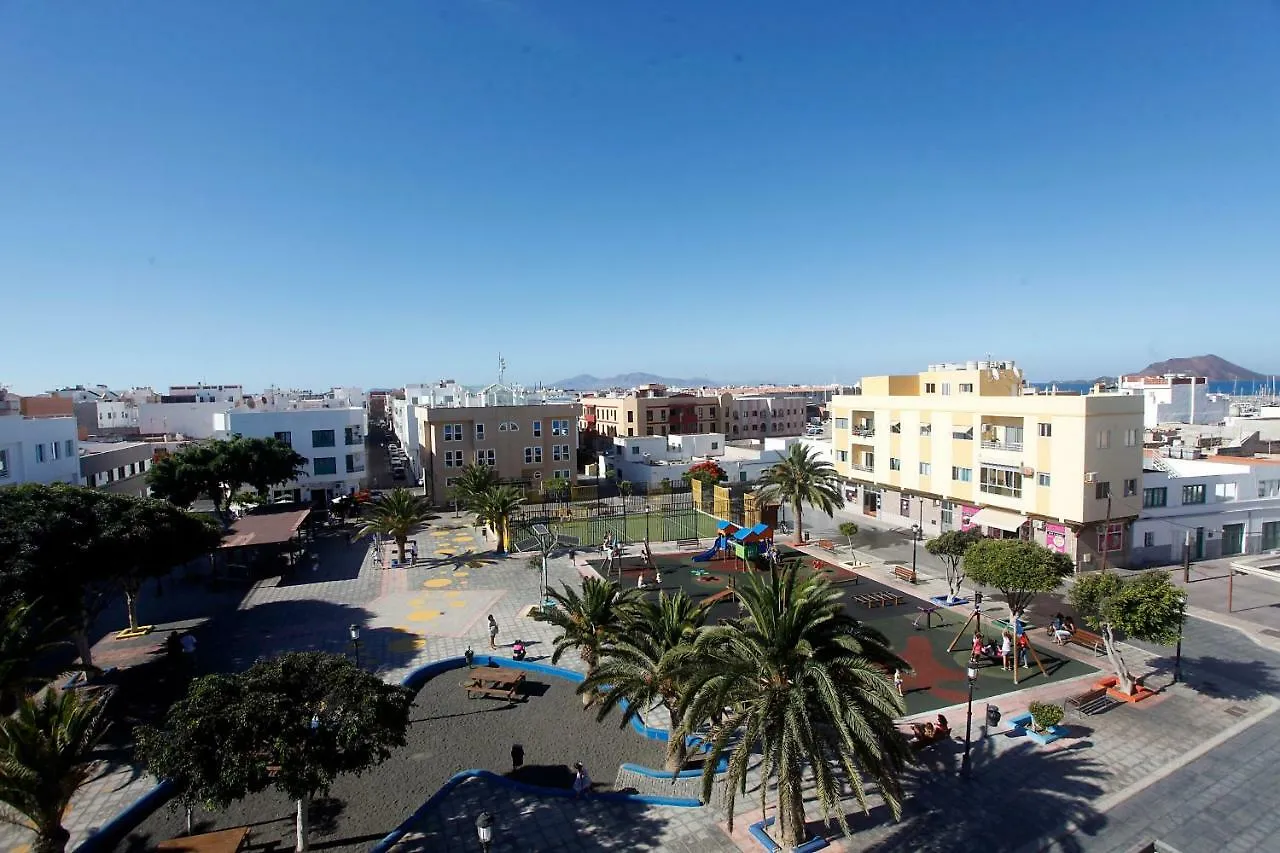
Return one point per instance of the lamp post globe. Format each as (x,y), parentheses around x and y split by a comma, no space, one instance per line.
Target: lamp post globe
(484,830)
(354,631)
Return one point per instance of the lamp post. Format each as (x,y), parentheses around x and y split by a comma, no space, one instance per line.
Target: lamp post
(484,831)
(972,675)
(354,631)
(1177,654)
(916,531)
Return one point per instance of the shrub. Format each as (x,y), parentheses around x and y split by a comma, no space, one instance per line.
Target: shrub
(1045,715)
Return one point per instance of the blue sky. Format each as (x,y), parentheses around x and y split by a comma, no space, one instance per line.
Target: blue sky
(336,192)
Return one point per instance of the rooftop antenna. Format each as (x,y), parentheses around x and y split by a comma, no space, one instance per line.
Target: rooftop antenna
(502,368)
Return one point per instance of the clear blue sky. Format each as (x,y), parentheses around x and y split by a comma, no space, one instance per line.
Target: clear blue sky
(319,192)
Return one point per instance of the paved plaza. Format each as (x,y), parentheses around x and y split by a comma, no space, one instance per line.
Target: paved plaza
(1191,766)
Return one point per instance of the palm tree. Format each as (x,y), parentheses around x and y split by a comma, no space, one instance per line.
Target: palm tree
(495,507)
(45,751)
(25,640)
(588,622)
(473,482)
(802,478)
(643,665)
(805,685)
(397,515)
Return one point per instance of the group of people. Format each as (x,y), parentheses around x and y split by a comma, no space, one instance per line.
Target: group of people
(927,733)
(1062,629)
(1004,652)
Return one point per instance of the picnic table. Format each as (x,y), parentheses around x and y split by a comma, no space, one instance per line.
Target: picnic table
(222,841)
(494,681)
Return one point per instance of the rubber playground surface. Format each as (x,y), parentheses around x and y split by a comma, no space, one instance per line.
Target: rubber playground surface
(937,679)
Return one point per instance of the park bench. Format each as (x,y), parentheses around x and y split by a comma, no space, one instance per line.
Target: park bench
(687,543)
(904,573)
(1091,702)
(827,545)
(1088,640)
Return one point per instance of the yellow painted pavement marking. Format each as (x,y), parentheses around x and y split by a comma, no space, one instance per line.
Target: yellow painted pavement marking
(457,604)
(437,583)
(406,644)
(424,615)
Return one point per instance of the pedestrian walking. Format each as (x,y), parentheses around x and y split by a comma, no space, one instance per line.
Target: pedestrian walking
(581,781)
(189,649)
(897,681)
(517,756)
(493,632)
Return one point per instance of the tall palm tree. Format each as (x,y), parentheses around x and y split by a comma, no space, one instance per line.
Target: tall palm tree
(397,515)
(801,478)
(472,482)
(495,507)
(805,685)
(45,757)
(25,640)
(644,664)
(588,622)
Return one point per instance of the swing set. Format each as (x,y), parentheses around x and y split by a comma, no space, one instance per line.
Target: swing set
(975,618)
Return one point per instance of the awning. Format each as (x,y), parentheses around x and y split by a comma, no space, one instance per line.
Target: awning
(998,518)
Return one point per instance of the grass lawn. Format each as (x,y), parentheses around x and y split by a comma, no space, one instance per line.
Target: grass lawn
(659,526)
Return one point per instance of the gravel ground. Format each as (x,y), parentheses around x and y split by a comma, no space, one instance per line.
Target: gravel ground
(449,733)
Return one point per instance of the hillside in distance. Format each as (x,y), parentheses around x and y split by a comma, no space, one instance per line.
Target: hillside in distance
(1212,367)
(587,382)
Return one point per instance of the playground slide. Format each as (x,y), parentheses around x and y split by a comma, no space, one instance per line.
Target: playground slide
(707,554)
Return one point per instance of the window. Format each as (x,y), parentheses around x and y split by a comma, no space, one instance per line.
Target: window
(895,428)
(453,459)
(537,429)
(1046,430)
(842,423)
(322,438)
(39,452)
(869,459)
(285,437)
(926,429)
(648,415)
(559,427)
(648,430)
(635,450)
(1102,490)
(966,387)
(926,468)
(55,451)
(1148,539)
(449,481)
(1193,494)
(4,463)
(1130,488)
(948,516)
(631,417)
(843,456)
(1131,438)
(895,464)
(962,475)
(479,432)
(354,466)
(560,474)
(453,432)
(1155,497)
(351,435)
(1001,481)
(1104,439)
(1268,488)
(715,445)
(512,426)
(487,456)
(533,455)
(559,453)
(322,465)
(1043,479)
(69,448)
(946,389)
(1111,538)
(930,388)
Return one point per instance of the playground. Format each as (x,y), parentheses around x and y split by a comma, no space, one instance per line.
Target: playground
(918,630)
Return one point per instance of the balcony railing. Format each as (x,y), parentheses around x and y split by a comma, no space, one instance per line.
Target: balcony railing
(355,469)
(1001,445)
(355,439)
(962,436)
(1004,491)
(864,432)
(858,466)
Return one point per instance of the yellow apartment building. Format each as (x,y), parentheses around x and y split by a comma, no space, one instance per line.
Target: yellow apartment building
(653,410)
(960,446)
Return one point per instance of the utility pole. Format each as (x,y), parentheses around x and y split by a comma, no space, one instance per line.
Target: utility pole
(1186,559)
(1106,532)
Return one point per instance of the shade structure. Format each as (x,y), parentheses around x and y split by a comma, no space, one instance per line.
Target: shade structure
(999,518)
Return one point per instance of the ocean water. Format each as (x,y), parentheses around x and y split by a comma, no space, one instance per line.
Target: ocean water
(1242,389)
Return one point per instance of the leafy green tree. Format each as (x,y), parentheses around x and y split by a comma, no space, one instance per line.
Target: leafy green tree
(643,664)
(472,482)
(951,547)
(807,687)
(1020,570)
(590,621)
(295,722)
(495,508)
(46,755)
(26,640)
(557,488)
(800,478)
(396,515)
(220,467)
(848,530)
(1149,607)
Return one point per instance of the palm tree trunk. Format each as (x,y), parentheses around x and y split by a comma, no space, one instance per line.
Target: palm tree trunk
(677,753)
(791,815)
(131,606)
(301,822)
(51,839)
(402,543)
(81,639)
(798,507)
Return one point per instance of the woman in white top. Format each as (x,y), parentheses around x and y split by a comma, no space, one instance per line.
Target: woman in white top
(1006,650)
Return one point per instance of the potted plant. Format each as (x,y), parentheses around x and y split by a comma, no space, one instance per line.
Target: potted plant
(1045,716)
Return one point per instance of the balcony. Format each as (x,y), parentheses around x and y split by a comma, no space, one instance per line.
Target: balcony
(1015,446)
(863,432)
(355,469)
(858,466)
(1002,491)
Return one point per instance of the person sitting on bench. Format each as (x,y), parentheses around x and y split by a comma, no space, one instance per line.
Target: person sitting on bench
(1061,633)
(942,730)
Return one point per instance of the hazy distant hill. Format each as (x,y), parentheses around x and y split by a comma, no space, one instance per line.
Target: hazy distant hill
(587,382)
(1211,367)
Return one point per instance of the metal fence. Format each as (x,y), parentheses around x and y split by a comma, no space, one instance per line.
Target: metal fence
(662,515)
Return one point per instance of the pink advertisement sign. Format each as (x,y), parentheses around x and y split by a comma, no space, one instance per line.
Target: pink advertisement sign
(1055,537)
(966,516)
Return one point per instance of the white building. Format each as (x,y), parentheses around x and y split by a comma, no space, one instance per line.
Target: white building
(107,416)
(1176,399)
(202,393)
(1221,508)
(332,440)
(761,416)
(649,460)
(39,450)
(189,420)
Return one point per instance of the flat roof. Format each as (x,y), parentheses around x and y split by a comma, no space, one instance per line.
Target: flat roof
(267,528)
(90,447)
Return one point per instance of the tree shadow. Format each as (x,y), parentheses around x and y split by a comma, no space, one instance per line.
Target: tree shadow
(543,775)
(464,560)
(1223,678)
(1020,795)
(329,558)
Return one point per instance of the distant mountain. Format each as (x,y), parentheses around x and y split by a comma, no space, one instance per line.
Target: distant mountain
(1211,367)
(587,382)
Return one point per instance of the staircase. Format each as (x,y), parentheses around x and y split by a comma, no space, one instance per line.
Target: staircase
(1161,465)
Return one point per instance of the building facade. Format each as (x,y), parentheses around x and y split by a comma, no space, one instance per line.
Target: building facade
(116,466)
(526,445)
(332,440)
(39,450)
(963,446)
(652,410)
(188,420)
(765,417)
(1176,399)
(202,393)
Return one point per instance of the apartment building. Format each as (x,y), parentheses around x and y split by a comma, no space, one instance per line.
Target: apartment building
(39,450)
(1176,399)
(653,410)
(332,440)
(116,466)
(963,446)
(765,416)
(526,445)
(202,393)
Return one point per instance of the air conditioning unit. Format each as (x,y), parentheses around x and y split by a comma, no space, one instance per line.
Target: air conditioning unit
(1091,477)
(1039,525)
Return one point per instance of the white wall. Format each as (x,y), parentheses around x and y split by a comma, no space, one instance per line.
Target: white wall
(1234,494)
(301,424)
(209,393)
(117,415)
(696,444)
(192,420)
(39,450)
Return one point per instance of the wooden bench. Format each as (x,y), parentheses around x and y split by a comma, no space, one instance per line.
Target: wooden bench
(1088,640)
(688,543)
(904,573)
(878,599)
(827,545)
(1092,702)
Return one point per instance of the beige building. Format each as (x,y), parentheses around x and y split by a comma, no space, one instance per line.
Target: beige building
(962,445)
(652,410)
(527,445)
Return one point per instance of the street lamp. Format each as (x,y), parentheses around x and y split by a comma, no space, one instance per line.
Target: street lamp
(916,531)
(1177,655)
(971,673)
(484,830)
(354,630)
